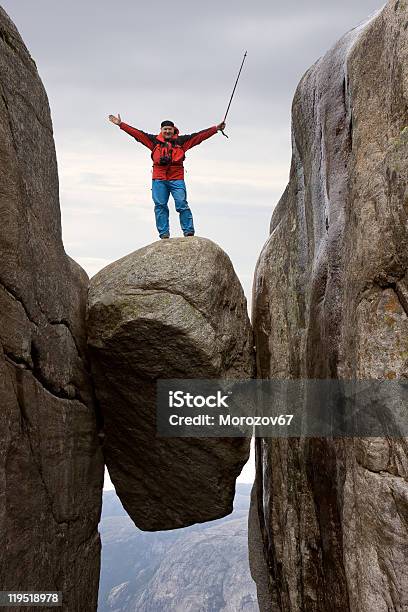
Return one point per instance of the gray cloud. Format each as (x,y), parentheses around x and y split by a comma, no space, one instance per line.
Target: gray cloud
(155,60)
(184,48)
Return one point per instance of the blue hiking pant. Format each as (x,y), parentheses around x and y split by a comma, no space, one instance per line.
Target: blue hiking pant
(161,191)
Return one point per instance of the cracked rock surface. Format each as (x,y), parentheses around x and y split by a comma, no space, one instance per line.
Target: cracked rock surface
(173,309)
(51,466)
(329,516)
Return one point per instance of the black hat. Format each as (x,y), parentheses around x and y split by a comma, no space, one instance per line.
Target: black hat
(167,122)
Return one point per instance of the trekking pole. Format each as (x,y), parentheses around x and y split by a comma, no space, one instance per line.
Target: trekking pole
(233,91)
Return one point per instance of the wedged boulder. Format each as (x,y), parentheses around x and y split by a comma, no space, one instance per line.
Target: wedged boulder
(173,309)
(329,516)
(51,464)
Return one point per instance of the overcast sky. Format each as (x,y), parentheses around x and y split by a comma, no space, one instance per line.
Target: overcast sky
(159,60)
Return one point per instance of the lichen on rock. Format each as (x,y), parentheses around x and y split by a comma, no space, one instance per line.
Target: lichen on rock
(330,301)
(51,465)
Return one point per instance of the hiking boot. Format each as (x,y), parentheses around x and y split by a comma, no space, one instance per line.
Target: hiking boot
(164,236)
(189,234)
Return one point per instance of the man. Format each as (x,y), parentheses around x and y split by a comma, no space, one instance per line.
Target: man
(168,153)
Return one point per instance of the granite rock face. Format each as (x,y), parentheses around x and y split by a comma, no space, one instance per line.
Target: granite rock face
(329,516)
(51,465)
(173,309)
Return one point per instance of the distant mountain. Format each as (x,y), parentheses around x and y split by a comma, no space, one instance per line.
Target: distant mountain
(202,568)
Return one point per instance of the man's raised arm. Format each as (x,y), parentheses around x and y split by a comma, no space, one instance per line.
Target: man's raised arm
(191,140)
(146,139)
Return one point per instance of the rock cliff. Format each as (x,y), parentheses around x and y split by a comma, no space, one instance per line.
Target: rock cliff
(329,516)
(51,466)
(173,309)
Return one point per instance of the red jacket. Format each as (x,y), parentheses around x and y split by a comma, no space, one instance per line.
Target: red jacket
(174,148)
